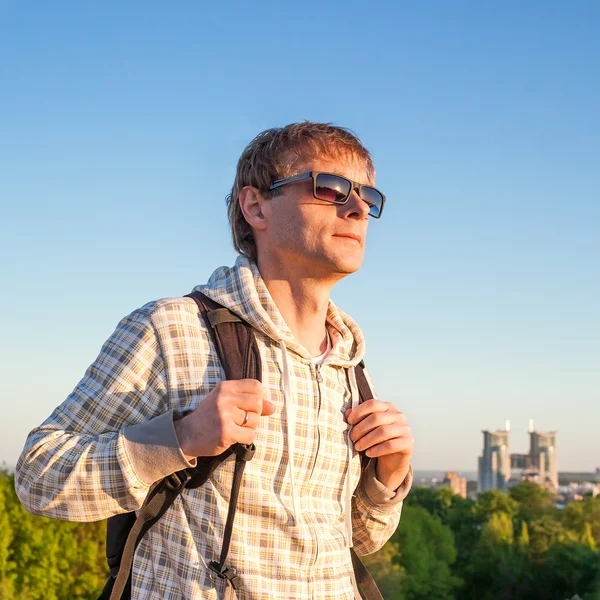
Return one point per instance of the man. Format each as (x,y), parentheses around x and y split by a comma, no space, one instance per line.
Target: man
(154,398)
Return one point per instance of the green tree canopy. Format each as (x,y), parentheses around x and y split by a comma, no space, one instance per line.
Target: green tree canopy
(533,500)
(47,559)
(426,553)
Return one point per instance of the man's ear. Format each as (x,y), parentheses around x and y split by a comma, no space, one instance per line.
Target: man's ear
(252,204)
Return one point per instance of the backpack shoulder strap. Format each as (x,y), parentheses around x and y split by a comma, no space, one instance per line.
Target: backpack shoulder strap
(364,579)
(364,389)
(238,353)
(365,393)
(233,339)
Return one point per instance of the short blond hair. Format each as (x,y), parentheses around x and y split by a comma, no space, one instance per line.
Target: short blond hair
(278,153)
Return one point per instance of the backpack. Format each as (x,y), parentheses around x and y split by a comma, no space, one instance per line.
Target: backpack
(238,352)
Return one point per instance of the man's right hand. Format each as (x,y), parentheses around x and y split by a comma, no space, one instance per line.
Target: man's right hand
(218,422)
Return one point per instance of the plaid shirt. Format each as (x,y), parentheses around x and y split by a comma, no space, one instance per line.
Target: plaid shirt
(100,451)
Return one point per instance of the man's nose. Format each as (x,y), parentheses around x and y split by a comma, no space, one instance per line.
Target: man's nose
(357,206)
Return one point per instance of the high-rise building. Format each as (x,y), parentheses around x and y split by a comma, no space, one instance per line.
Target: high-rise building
(539,465)
(494,464)
(542,457)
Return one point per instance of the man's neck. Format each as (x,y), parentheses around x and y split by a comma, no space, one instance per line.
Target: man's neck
(302,302)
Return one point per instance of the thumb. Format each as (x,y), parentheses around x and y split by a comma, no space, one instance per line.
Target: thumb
(268,408)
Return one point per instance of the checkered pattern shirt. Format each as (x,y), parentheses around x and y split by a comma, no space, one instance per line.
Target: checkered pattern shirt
(100,451)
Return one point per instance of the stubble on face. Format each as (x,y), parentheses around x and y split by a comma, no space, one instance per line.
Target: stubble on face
(314,238)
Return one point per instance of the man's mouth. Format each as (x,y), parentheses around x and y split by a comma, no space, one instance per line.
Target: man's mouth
(351,236)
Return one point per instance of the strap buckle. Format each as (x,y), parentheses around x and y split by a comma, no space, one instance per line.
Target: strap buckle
(244,451)
(226,572)
(178,480)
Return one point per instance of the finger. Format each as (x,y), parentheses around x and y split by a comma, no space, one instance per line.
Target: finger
(374,420)
(367,408)
(382,434)
(371,422)
(250,402)
(251,422)
(268,408)
(242,386)
(256,404)
(400,445)
(245,435)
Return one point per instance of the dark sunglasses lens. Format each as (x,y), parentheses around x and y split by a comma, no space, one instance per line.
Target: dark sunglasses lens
(374,199)
(331,188)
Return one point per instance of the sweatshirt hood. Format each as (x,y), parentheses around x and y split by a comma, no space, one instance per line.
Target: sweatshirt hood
(242,290)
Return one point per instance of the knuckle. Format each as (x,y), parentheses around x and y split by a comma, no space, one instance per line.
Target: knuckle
(388,430)
(221,402)
(387,445)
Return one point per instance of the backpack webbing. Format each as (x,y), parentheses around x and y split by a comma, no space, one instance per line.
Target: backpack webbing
(238,352)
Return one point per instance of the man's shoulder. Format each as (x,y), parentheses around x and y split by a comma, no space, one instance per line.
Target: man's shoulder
(170,311)
(173,304)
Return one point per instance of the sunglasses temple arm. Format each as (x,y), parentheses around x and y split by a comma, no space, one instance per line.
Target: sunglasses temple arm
(281,182)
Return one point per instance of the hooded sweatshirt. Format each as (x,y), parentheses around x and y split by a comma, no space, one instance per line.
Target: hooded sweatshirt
(302,503)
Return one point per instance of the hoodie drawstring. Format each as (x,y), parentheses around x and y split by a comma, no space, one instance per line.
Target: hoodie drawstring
(290,411)
(355,401)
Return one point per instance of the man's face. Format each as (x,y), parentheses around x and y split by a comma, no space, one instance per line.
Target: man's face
(316,237)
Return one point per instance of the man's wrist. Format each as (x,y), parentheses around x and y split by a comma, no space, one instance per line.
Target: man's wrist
(393,479)
(181,431)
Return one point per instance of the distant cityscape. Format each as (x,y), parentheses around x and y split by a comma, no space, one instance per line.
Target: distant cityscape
(499,469)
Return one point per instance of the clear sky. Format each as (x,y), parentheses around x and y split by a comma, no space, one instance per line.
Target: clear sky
(120,127)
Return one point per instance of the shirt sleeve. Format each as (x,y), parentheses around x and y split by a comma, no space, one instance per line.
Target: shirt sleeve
(376,509)
(98,453)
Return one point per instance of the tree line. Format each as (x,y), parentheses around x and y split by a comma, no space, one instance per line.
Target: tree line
(513,546)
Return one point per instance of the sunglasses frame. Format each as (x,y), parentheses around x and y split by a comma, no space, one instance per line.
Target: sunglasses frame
(354,185)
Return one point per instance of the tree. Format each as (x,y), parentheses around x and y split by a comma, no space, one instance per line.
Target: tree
(7,564)
(534,501)
(46,559)
(495,502)
(498,565)
(580,516)
(426,553)
(570,569)
(387,572)
(546,532)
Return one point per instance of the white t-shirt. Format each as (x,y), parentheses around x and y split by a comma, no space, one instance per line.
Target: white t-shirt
(318,360)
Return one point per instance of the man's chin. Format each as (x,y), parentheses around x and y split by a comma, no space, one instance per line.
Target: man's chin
(334,266)
(347,266)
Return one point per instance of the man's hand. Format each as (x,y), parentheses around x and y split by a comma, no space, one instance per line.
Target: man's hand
(218,422)
(381,429)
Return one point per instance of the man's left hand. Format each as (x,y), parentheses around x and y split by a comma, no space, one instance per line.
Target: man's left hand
(381,430)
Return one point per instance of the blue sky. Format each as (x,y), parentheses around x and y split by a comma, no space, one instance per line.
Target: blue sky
(120,128)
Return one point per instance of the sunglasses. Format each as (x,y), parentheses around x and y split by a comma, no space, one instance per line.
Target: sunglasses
(337,189)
